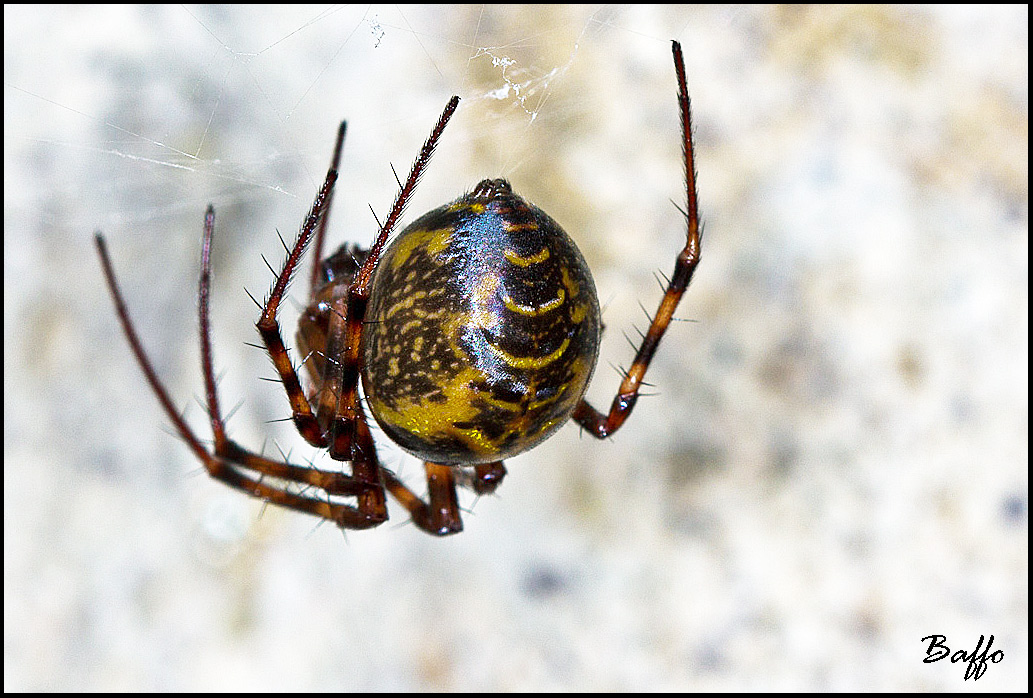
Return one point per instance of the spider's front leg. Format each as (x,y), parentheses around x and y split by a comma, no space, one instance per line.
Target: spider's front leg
(349,437)
(602,425)
(269,327)
(367,486)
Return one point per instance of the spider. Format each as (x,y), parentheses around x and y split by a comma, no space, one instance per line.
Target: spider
(474,335)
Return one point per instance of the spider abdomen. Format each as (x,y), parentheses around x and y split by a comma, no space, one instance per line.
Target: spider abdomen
(482,330)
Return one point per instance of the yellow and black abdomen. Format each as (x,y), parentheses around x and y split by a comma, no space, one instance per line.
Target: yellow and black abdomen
(482,330)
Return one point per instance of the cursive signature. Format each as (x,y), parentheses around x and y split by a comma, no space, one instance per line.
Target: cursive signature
(977,661)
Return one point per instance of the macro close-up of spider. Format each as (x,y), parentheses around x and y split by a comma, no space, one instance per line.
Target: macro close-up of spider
(787,450)
(474,335)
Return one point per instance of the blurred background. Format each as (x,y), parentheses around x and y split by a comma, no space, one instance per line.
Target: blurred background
(833,464)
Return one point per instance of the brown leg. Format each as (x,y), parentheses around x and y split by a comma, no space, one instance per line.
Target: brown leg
(602,425)
(364,482)
(487,477)
(350,437)
(349,433)
(317,251)
(230,463)
(342,430)
(269,327)
(440,515)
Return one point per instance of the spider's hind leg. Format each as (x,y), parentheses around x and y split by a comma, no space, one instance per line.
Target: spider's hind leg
(440,514)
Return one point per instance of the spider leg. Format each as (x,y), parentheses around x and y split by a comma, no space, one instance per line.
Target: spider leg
(269,327)
(371,508)
(342,442)
(440,515)
(317,254)
(231,463)
(487,477)
(350,438)
(360,451)
(602,425)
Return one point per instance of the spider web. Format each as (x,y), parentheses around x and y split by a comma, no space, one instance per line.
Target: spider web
(241,103)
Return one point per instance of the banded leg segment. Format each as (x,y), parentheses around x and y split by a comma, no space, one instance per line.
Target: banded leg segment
(602,425)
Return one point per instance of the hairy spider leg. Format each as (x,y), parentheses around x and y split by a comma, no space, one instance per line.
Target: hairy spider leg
(602,425)
(269,327)
(349,432)
(317,253)
(349,437)
(230,463)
